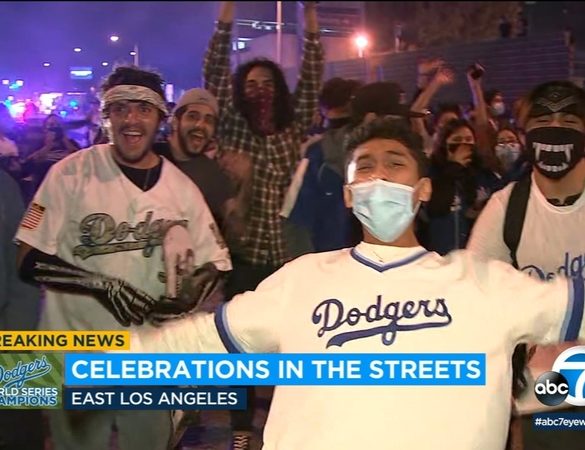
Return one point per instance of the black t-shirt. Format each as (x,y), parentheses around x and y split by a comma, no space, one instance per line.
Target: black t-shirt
(144,179)
(213,183)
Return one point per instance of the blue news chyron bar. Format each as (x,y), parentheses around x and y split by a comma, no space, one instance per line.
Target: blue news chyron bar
(182,369)
(154,397)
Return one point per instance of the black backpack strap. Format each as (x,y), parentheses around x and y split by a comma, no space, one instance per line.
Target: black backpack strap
(515,214)
(513,224)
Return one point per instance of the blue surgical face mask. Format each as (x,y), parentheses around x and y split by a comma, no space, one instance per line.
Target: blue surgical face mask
(384,208)
(508,154)
(499,108)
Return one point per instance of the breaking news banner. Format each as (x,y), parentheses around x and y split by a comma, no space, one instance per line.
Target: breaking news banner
(64,340)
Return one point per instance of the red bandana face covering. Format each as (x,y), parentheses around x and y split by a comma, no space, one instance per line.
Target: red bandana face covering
(261,106)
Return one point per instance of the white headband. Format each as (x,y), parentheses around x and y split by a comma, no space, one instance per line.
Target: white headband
(132,92)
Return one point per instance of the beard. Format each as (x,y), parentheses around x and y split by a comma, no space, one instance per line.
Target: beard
(190,144)
(132,149)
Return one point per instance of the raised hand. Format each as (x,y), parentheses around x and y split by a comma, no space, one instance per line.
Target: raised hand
(444,76)
(475,74)
(227,12)
(428,66)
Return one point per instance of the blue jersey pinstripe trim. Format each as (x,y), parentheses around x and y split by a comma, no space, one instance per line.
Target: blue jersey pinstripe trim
(384,267)
(229,342)
(574,316)
(568,312)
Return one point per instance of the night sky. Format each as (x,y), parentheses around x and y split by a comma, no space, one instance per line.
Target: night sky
(172,37)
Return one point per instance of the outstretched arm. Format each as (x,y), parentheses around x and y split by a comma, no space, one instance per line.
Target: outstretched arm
(126,303)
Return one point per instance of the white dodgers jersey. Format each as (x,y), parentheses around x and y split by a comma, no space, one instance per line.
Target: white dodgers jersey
(552,244)
(88,213)
(377,299)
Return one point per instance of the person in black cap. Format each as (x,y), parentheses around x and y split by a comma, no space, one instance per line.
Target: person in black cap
(381,99)
(536,225)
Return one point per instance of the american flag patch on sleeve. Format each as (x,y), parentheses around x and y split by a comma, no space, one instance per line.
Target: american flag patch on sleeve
(33,216)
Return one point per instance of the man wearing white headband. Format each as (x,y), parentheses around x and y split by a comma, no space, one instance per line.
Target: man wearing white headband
(121,225)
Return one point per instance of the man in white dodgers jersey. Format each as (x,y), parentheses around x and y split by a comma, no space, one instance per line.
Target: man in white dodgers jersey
(118,224)
(550,240)
(386,295)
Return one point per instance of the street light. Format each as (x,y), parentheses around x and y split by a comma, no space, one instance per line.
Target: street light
(46,64)
(105,64)
(77,50)
(134,53)
(361,42)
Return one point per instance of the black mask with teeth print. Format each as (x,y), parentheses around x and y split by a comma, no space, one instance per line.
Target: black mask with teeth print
(555,151)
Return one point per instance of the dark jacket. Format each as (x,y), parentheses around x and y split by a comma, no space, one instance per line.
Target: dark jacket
(319,209)
(458,195)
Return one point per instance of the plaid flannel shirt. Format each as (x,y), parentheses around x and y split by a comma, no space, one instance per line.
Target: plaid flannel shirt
(274,157)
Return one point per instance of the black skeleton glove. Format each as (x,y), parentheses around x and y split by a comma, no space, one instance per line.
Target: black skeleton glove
(194,290)
(126,303)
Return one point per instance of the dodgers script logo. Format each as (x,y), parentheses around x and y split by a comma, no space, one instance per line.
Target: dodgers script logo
(573,266)
(387,320)
(21,373)
(101,236)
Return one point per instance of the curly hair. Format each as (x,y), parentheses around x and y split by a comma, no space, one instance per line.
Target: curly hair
(134,75)
(388,128)
(283,100)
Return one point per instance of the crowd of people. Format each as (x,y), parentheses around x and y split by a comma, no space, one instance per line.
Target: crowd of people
(340,189)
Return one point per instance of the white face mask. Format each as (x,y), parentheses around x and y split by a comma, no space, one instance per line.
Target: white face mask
(384,208)
(499,108)
(508,154)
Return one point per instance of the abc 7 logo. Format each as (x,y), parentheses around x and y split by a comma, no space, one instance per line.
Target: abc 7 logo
(566,382)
